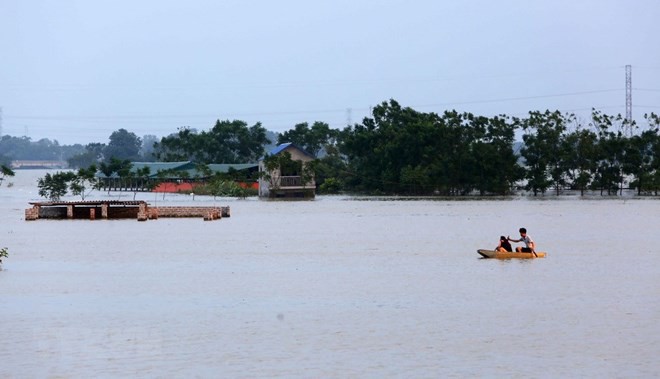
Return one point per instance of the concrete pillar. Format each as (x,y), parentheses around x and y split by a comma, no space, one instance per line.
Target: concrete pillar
(31,214)
(142,213)
(69,211)
(92,213)
(225,212)
(104,210)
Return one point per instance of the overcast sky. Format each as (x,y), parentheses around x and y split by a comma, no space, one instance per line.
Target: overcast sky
(76,71)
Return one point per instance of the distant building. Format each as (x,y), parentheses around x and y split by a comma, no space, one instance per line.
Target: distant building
(27,164)
(289,178)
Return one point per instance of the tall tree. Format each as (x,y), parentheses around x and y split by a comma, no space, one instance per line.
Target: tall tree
(641,155)
(578,152)
(84,180)
(148,149)
(542,138)
(56,185)
(93,154)
(610,154)
(226,142)
(123,145)
(313,139)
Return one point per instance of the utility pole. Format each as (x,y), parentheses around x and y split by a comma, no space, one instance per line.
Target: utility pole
(629,95)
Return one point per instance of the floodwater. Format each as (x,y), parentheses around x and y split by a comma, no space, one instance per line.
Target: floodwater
(336,287)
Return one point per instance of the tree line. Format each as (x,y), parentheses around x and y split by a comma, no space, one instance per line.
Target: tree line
(398,150)
(401,151)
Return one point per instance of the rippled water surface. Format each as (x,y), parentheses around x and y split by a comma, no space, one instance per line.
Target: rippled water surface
(336,287)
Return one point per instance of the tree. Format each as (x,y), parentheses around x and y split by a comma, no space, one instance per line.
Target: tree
(542,140)
(640,158)
(5,172)
(5,160)
(83,180)
(23,148)
(148,147)
(139,179)
(402,151)
(218,186)
(578,151)
(331,171)
(53,187)
(93,154)
(610,153)
(57,185)
(123,145)
(180,146)
(313,139)
(3,254)
(227,142)
(654,177)
(390,144)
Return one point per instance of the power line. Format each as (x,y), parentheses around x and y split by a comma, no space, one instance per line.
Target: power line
(521,98)
(293,112)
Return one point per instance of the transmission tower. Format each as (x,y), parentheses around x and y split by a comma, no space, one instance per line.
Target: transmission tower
(629,94)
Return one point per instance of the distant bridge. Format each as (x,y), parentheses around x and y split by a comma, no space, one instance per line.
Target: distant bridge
(38,164)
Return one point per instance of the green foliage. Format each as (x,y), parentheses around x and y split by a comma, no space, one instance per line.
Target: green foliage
(397,150)
(226,142)
(5,172)
(313,139)
(542,140)
(3,254)
(224,188)
(85,179)
(23,148)
(147,150)
(402,151)
(92,154)
(123,145)
(331,186)
(53,187)
(5,160)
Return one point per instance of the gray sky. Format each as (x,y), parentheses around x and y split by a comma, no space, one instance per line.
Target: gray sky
(76,71)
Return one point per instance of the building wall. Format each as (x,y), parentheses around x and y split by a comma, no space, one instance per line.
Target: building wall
(296,155)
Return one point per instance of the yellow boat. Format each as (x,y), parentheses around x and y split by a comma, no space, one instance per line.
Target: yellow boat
(508,255)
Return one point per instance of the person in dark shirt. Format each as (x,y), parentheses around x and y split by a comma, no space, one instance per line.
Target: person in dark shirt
(504,245)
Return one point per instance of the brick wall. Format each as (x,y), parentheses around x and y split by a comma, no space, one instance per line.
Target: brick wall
(216,212)
(130,212)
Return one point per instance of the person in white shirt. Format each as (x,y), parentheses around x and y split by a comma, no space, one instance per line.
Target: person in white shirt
(530,246)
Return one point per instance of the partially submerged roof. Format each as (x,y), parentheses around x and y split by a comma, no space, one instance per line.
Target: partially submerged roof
(154,167)
(224,168)
(87,202)
(280,148)
(174,169)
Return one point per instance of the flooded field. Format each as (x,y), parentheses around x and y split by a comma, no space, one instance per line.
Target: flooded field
(336,287)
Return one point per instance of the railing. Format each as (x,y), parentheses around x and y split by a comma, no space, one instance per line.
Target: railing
(291,181)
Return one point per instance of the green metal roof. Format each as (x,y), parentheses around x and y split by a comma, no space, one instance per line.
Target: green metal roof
(185,166)
(224,167)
